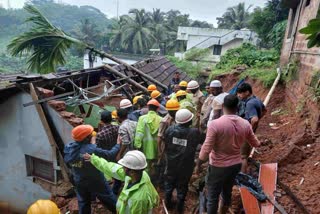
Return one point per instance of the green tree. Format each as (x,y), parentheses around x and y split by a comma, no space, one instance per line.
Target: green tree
(236,17)
(264,20)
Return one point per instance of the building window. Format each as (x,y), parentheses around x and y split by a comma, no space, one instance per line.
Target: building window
(291,22)
(217,49)
(39,168)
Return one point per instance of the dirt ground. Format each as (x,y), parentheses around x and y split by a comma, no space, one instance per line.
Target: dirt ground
(286,139)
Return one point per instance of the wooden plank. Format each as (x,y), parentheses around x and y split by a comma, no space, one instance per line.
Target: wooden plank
(268,180)
(48,131)
(250,203)
(4,208)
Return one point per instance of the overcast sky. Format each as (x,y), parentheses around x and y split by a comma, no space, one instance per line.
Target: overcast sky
(205,10)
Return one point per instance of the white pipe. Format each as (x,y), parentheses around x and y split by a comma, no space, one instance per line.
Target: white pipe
(267,99)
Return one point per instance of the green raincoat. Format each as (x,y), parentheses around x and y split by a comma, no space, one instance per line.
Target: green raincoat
(140,198)
(147,135)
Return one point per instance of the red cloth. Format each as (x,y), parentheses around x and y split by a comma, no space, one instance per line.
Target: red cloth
(224,139)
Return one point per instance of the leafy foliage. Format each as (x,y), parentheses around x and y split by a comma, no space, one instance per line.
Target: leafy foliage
(235,17)
(46,43)
(249,55)
(264,20)
(196,53)
(313,32)
(186,66)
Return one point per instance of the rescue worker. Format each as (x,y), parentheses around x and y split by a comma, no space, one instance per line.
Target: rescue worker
(207,105)
(224,138)
(138,194)
(140,107)
(151,88)
(114,118)
(174,81)
(135,100)
(251,109)
(43,207)
(172,107)
(176,88)
(197,100)
(184,102)
(183,85)
(217,102)
(108,133)
(181,143)
(88,180)
(126,132)
(146,135)
(158,96)
(126,104)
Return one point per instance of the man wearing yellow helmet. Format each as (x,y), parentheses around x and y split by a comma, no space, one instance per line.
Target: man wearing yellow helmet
(43,207)
(184,102)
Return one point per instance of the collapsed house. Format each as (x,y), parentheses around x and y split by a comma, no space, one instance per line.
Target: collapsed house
(38,113)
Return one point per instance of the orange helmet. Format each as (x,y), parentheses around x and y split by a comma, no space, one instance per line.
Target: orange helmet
(155,94)
(181,93)
(80,132)
(43,207)
(153,102)
(152,88)
(172,105)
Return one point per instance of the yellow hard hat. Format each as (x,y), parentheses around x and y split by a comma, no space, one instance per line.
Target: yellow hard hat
(183,84)
(43,207)
(181,93)
(114,114)
(152,88)
(172,105)
(135,99)
(155,94)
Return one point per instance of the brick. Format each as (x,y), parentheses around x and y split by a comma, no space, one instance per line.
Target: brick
(45,92)
(67,115)
(75,121)
(57,105)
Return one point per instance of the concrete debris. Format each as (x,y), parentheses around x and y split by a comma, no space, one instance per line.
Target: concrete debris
(76,121)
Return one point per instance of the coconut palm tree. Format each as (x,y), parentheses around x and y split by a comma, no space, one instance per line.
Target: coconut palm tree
(47,46)
(236,17)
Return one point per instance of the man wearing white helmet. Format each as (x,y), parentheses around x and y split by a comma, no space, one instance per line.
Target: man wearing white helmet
(138,194)
(207,105)
(216,106)
(181,143)
(126,104)
(197,99)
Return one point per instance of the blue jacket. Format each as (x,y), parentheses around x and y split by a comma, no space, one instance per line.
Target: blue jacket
(81,169)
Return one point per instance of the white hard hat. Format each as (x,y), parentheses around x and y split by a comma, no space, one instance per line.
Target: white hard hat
(215,84)
(125,103)
(135,160)
(183,116)
(193,84)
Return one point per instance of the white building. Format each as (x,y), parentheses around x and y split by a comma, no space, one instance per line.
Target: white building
(218,40)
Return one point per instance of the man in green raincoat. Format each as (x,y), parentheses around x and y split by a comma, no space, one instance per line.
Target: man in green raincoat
(138,194)
(146,136)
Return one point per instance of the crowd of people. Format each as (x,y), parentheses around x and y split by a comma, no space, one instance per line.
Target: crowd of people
(151,143)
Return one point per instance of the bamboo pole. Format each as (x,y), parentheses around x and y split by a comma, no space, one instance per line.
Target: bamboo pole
(109,56)
(131,81)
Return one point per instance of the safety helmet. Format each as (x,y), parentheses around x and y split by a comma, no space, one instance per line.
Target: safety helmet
(193,85)
(155,94)
(215,84)
(114,114)
(172,105)
(125,103)
(135,160)
(80,132)
(152,88)
(135,99)
(153,102)
(183,84)
(181,93)
(43,207)
(183,116)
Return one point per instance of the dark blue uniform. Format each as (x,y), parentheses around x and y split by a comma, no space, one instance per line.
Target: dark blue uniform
(87,179)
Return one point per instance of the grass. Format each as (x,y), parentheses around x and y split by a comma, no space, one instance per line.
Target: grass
(265,75)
